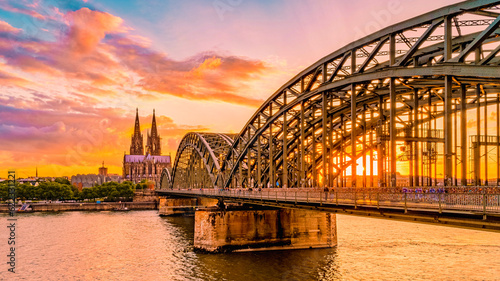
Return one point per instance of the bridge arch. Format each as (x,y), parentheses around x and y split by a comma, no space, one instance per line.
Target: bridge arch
(166,179)
(198,160)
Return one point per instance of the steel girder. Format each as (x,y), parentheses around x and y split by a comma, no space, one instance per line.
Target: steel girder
(320,98)
(197,161)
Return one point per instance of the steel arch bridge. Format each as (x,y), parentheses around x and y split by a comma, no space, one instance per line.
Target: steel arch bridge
(420,97)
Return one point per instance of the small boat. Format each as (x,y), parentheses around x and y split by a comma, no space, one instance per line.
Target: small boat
(25,208)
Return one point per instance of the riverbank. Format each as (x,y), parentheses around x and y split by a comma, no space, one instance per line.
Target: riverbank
(104,206)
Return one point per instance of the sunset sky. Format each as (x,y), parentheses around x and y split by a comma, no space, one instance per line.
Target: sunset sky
(72,73)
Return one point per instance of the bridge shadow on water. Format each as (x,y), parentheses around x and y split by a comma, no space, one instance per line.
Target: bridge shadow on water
(312,264)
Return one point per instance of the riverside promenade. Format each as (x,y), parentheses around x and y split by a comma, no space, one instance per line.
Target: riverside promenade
(104,206)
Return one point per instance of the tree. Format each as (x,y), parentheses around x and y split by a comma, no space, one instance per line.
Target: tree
(36,192)
(127,192)
(76,192)
(20,190)
(65,192)
(4,191)
(113,195)
(88,193)
(62,181)
(54,191)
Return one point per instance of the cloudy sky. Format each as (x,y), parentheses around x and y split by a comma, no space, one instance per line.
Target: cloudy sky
(72,73)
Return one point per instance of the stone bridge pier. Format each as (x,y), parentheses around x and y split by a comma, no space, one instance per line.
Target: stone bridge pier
(226,227)
(257,228)
(174,206)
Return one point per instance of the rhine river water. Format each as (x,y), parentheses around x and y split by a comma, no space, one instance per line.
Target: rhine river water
(140,245)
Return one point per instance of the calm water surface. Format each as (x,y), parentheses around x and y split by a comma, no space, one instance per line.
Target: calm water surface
(139,245)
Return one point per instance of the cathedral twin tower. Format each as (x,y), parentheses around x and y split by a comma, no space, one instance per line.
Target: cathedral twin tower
(147,166)
(153,146)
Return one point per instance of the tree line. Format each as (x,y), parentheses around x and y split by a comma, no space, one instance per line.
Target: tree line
(61,189)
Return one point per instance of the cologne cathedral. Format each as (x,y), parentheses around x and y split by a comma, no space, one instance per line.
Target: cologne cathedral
(140,165)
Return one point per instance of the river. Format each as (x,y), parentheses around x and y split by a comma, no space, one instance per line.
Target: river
(140,245)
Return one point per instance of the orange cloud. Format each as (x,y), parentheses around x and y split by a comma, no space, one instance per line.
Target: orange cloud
(89,27)
(215,78)
(8,79)
(208,64)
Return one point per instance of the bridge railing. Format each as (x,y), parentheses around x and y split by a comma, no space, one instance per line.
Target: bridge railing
(484,203)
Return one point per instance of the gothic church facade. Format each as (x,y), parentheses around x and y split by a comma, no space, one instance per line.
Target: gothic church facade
(148,165)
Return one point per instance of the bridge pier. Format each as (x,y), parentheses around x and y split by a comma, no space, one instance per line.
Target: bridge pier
(263,229)
(171,206)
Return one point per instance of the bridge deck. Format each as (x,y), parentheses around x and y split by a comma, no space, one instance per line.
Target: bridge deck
(474,210)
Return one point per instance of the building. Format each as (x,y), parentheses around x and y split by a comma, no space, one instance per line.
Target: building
(86,181)
(148,165)
(103,171)
(90,180)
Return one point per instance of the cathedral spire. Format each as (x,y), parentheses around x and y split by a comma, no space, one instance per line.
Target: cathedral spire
(136,147)
(154,131)
(153,145)
(137,129)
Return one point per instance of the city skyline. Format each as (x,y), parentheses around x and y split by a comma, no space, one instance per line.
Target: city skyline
(72,74)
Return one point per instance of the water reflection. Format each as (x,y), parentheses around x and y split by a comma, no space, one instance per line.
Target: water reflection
(140,245)
(312,264)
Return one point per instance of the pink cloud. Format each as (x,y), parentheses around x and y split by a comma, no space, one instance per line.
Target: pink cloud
(206,76)
(5,27)
(89,27)
(10,80)
(21,10)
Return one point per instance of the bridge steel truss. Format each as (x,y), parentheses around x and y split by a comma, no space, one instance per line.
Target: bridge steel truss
(197,162)
(409,95)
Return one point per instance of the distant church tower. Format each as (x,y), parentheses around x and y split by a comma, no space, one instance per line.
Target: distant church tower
(153,146)
(136,147)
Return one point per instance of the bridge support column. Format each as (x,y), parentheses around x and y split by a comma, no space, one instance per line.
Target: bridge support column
(463,134)
(448,131)
(257,229)
(416,134)
(381,145)
(353,133)
(182,206)
(477,150)
(392,131)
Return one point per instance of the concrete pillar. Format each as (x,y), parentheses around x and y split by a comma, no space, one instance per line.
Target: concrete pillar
(257,229)
(176,206)
(182,206)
